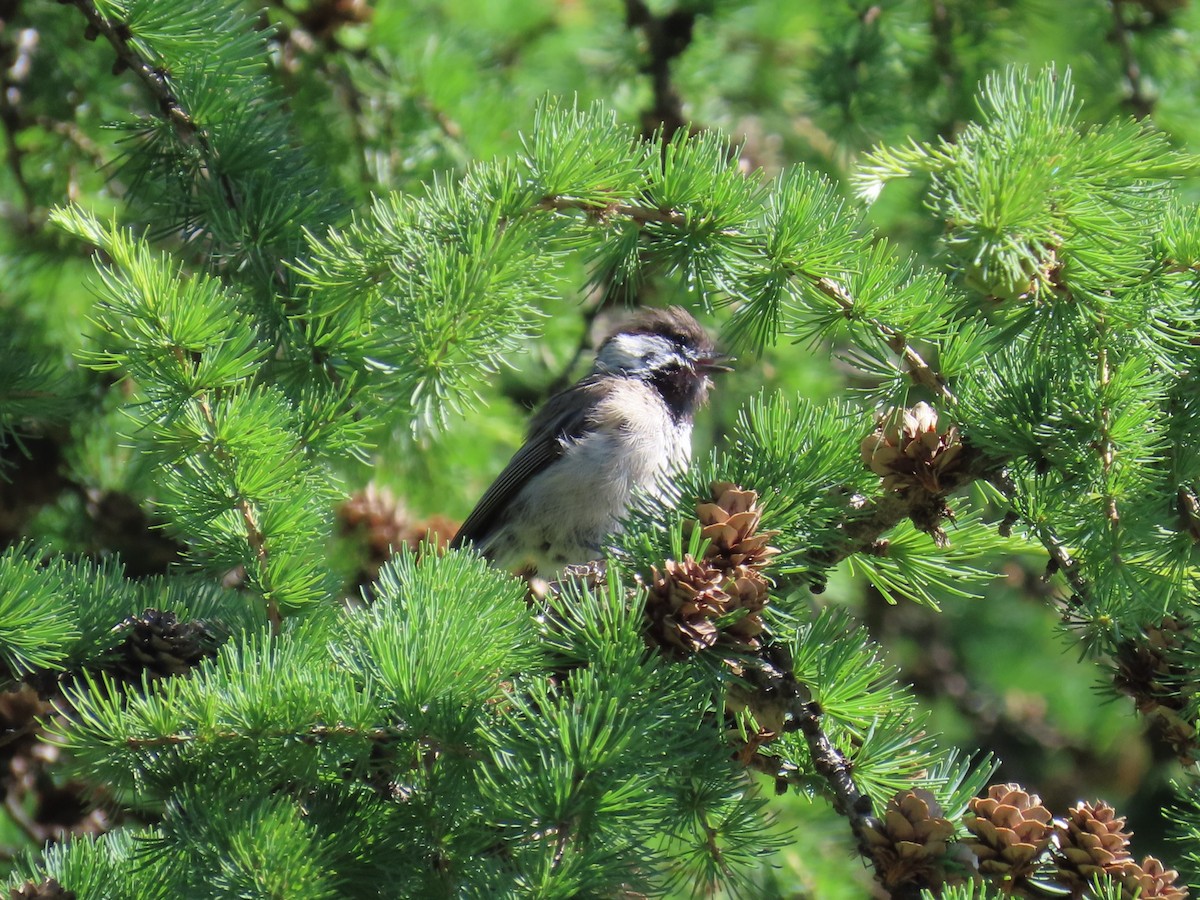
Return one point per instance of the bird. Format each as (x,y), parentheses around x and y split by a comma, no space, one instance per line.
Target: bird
(625,426)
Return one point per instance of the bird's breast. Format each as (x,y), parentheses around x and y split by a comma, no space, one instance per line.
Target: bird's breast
(567,512)
(637,433)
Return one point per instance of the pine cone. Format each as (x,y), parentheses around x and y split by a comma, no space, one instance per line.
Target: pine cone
(1090,841)
(378,521)
(748,589)
(907,449)
(19,711)
(158,643)
(730,524)
(909,844)
(687,598)
(1149,881)
(1187,504)
(1011,830)
(684,600)
(1149,669)
(47,890)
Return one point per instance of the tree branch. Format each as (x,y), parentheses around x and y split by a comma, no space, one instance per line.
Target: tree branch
(642,215)
(16,61)
(919,370)
(249,515)
(1140,100)
(309,735)
(158,83)
(667,36)
(777,695)
(1060,557)
(254,535)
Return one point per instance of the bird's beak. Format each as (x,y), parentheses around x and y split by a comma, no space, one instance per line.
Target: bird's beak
(714,363)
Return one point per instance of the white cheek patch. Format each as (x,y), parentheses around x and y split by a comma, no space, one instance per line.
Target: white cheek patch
(626,352)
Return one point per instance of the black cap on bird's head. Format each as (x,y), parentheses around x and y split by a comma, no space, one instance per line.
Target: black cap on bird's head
(673,322)
(678,326)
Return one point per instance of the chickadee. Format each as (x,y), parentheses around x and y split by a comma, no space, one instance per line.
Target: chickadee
(625,425)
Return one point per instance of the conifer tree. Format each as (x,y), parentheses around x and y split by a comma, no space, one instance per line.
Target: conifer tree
(277,285)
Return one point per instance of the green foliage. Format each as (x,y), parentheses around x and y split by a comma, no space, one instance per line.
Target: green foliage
(593,721)
(1186,827)
(1008,208)
(36,626)
(874,721)
(972,890)
(264,848)
(105,866)
(909,567)
(35,389)
(410,648)
(58,613)
(239,463)
(254,345)
(311,709)
(1083,371)
(435,301)
(586,156)
(202,168)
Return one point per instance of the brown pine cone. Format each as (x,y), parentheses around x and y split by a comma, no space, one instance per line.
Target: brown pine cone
(156,642)
(1011,830)
(47,890)
(696,603)
(684,600)
(909,451)
(748,589)
(1149,669)
(1090,841)
(730,524)
(692,605)
(909,845)
(378,521)
(1149,881)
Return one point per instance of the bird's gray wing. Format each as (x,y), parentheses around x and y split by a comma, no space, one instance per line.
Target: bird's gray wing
(564,416)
